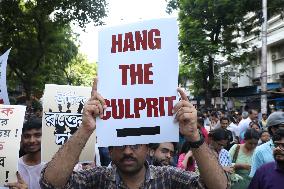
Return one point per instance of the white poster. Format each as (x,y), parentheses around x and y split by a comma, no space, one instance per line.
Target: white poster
(62,115)
(138,77)
(3,87)
(11,123)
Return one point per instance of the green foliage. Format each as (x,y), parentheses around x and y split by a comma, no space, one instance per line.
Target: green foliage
(209,28)
(41,38)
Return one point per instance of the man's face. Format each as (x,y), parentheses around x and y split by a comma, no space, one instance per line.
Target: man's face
(264,116)
(224,124)
(163,155)
(253,115)
(219,145)
(129,159)
(31,140)
(278,151)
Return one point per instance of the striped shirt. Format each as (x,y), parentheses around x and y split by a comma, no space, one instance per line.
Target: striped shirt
(164,177)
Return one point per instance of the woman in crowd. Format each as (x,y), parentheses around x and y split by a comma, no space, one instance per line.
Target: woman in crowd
(264,137)
(185,159)
(218,139)
(241,155)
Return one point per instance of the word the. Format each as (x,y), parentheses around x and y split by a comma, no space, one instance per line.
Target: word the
(139,73)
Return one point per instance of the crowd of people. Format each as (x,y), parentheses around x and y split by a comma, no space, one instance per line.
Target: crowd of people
(217,149)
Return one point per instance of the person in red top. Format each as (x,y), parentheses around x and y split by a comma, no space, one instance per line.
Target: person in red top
(200,126)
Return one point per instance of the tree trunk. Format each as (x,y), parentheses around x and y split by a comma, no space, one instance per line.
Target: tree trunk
(209,83)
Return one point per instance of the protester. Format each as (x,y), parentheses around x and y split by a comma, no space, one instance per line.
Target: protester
(263,122)
(186,160)
(271,175)
(264,137)
(224,122)
(29,165)
(241,155)
(218,139)
(215,122)
(200,126)
(254,125)
(244,123)
(161,154)
(130,169)
(233,127)
(264,153)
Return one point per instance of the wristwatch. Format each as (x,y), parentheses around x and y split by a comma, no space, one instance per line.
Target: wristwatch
(197,143)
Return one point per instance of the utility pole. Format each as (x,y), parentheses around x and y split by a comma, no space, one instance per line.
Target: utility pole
(221,91)
(264,59)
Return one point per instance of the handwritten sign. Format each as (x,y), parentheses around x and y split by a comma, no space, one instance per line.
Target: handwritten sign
(11,123)
(138,77)
(62,115)
(3,87)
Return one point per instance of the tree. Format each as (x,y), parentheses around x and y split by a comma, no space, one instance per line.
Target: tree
(40,36)
(209,28)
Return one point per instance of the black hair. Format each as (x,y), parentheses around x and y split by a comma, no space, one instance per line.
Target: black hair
(155,146)
(185,147)
(254,123)
(279,134)
(200,118)
(32,123)
(224,118)
(252,110)
(263,131)
(232,119)
(251,134)
(219,134)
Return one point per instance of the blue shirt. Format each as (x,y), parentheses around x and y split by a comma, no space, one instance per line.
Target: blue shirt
(268,176)
(262,154)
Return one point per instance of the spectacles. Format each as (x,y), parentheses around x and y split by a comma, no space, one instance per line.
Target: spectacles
(132,147)
(221,144)
(280,145)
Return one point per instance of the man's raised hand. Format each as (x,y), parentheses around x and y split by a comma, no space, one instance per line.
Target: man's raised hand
(186,115)
(93,108)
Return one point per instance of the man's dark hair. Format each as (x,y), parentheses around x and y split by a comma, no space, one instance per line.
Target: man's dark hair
(219,134)
(200,118)
(155,146)
(32,123)
(251,134)
(278,135)
(252,110)
(224,118)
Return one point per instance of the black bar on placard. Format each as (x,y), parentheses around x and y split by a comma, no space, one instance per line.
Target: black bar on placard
(138,131)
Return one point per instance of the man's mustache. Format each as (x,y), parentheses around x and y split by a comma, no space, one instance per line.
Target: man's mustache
(127,158)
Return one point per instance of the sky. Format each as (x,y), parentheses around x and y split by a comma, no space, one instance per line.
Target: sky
(121,12)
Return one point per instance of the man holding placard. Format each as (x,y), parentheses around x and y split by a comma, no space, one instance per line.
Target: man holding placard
(130,169)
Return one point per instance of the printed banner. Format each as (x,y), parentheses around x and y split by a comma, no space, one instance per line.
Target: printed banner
(11,123)
(62,115)
(3,87)
(138,77)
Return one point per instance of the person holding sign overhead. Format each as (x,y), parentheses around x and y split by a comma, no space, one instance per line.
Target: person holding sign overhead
(130,168)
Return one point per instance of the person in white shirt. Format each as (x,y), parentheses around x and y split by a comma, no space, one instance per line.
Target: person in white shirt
(30,165)
(244,123)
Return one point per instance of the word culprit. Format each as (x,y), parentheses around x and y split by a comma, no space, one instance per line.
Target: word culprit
(154,107)
(138,40)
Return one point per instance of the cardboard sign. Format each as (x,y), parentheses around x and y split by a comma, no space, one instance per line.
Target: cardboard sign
(62,115)
(3,87)
(138,77)
(11,123)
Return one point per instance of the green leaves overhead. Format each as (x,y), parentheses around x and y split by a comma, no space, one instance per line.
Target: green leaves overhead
(41,38)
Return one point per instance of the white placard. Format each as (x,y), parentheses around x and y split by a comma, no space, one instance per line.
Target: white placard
(3,87)
(11,123)
(62,115)
(138,77)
